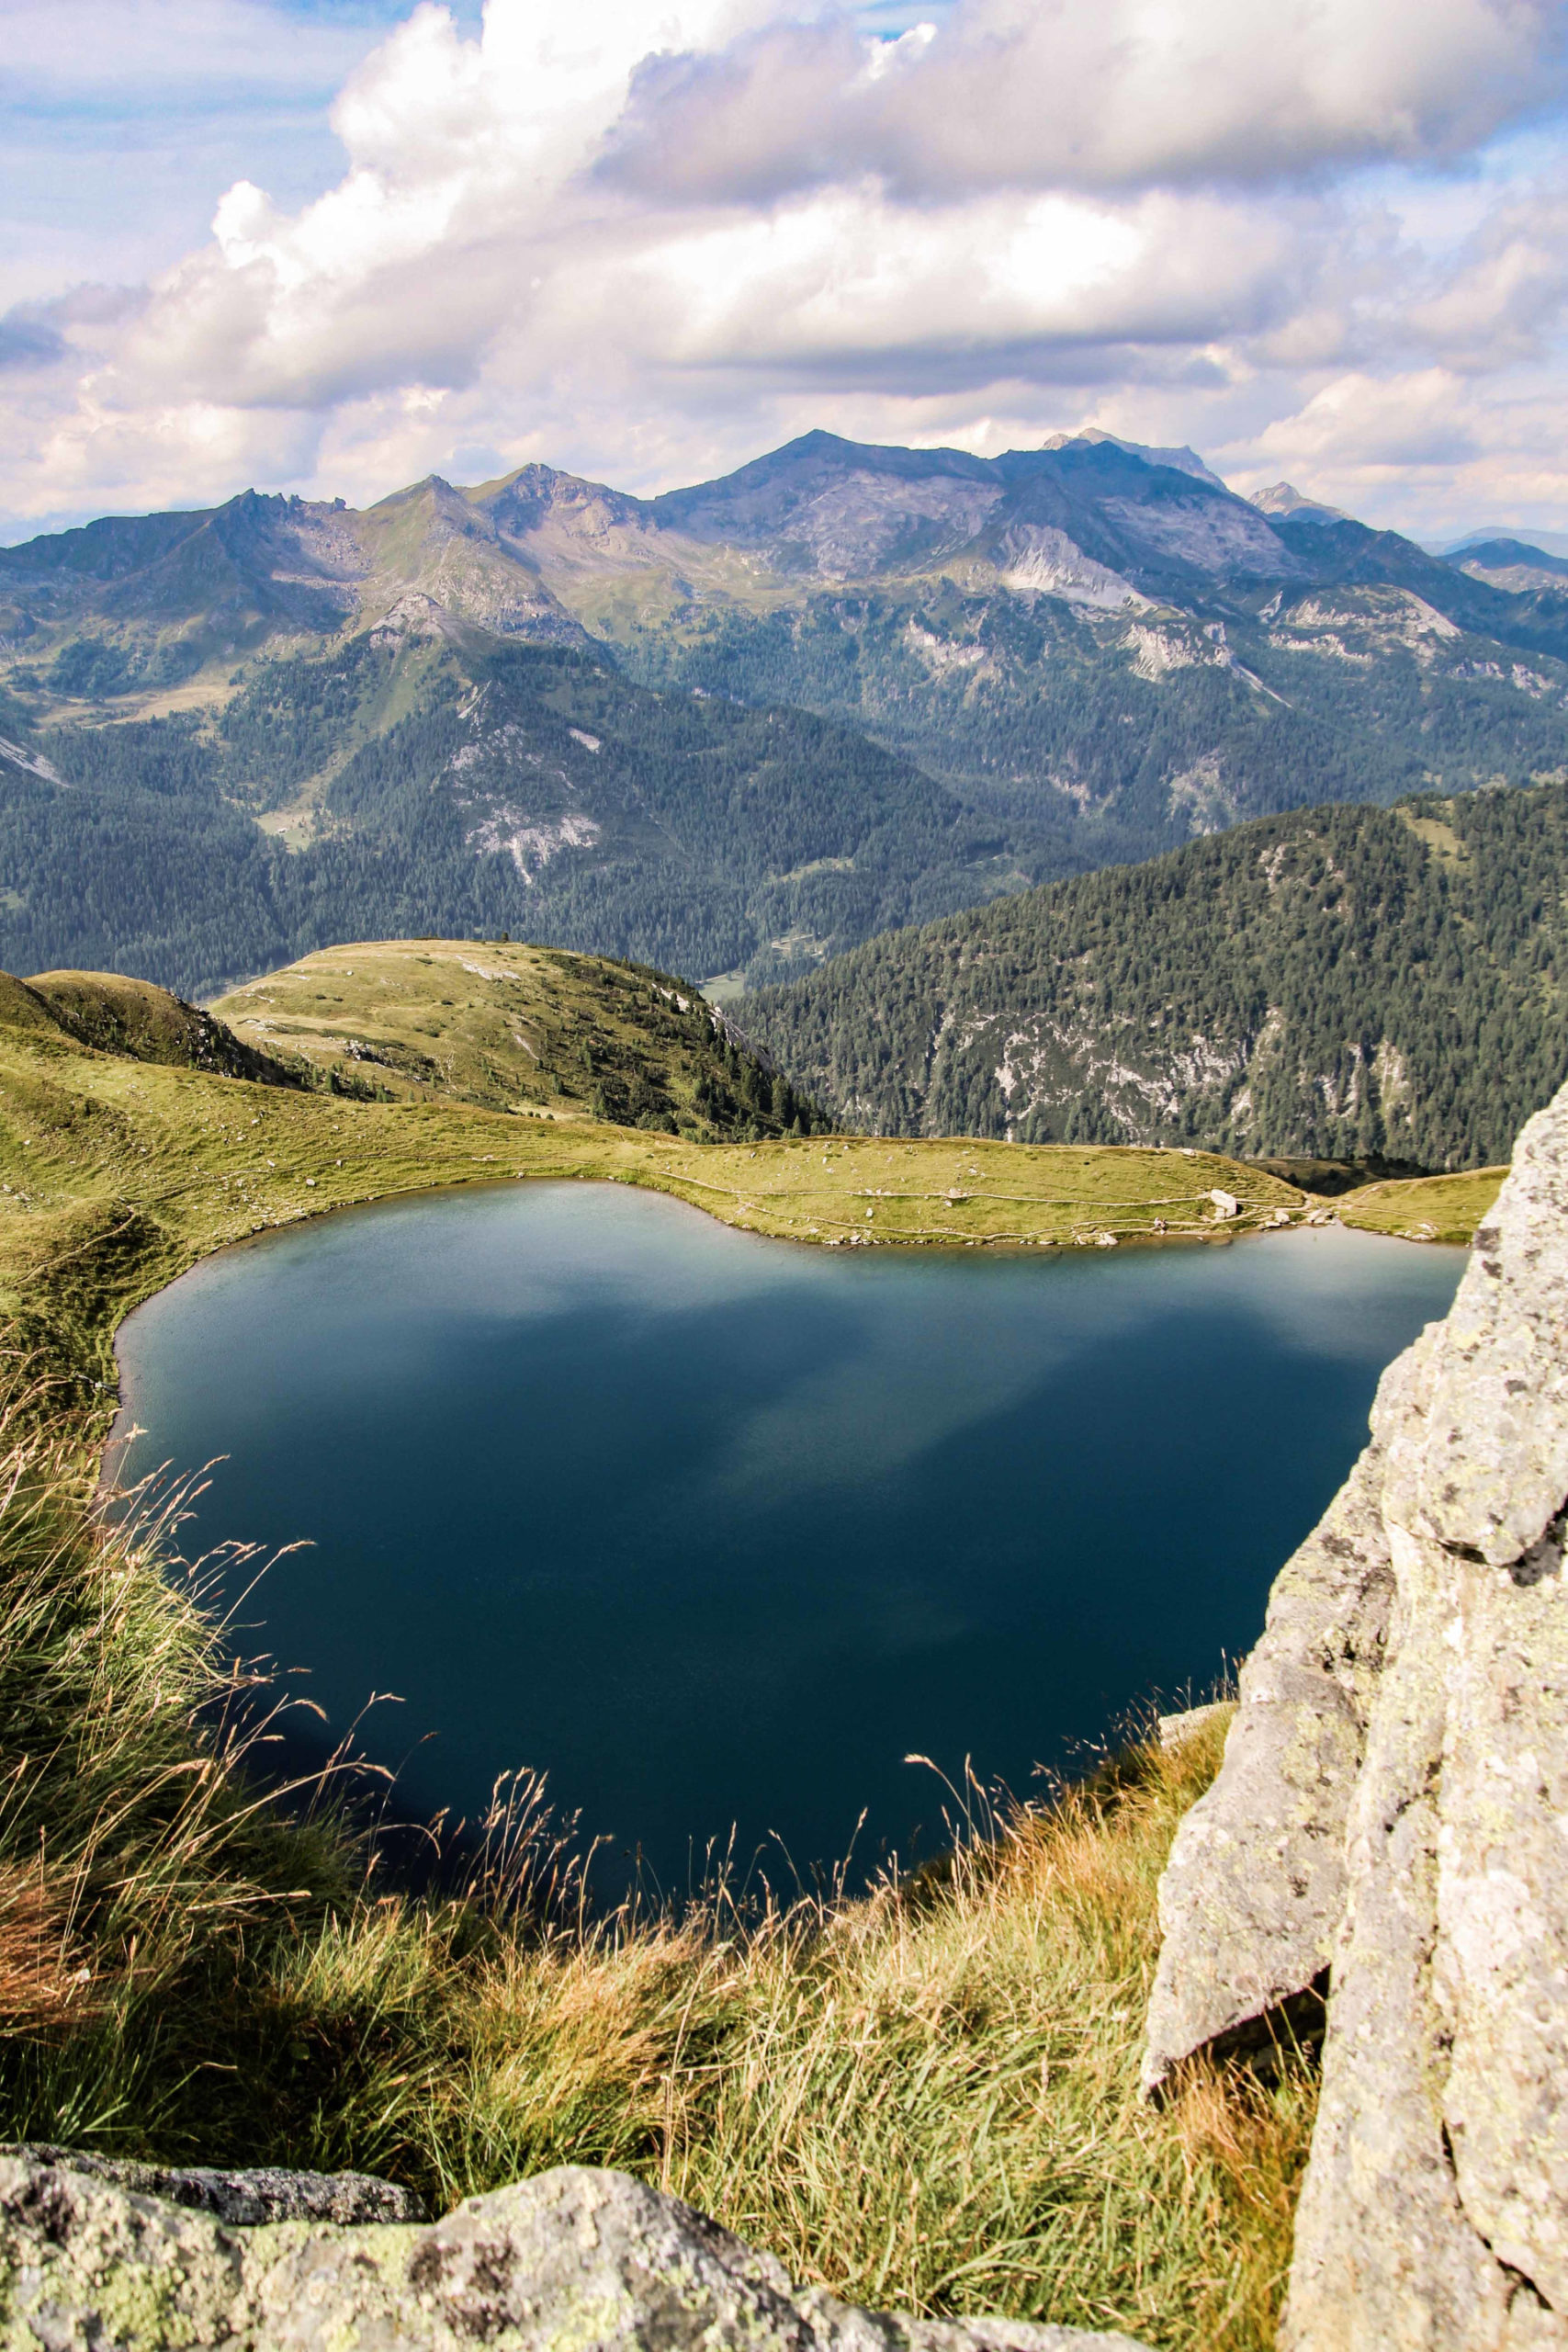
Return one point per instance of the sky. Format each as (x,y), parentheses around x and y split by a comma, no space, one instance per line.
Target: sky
(332,246)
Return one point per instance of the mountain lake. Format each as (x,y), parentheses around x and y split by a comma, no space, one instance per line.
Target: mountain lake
(736,1540)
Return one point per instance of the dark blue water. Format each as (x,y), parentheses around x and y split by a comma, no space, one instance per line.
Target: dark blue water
(719,1530)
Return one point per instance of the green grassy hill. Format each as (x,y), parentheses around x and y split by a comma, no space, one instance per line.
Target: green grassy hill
(1344,982)
(1431,1208)
(514,1028)
(147,1025)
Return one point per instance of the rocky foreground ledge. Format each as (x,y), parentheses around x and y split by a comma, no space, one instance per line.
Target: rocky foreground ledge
(1390,1830)
(95,2255)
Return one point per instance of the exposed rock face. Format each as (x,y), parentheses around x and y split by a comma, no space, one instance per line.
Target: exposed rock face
(573,2258)
(1175,1731)
(1393,1809)
(1254,1891)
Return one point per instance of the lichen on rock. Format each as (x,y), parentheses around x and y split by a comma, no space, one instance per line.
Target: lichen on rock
(572,2261)
(1241,1940)
(1392,1811)
(246,2197)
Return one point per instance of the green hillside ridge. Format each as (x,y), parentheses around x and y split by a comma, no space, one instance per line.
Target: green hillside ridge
(515,1028)
(1350,983)
(148,1024)
(1430,1208)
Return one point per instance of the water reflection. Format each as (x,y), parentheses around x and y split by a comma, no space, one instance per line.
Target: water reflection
(717,1529)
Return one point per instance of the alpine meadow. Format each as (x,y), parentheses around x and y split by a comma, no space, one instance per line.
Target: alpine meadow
(784,1176)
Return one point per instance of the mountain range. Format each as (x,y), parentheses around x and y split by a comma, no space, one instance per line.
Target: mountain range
(733,728)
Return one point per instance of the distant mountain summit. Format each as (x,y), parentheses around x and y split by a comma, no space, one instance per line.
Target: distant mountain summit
(130,603)
(729,729)
(1547,542)
(1183,460)
(1284,498)
(1096,521)
(1515,565)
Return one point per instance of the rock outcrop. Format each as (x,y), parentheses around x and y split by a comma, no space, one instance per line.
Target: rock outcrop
(241,2198)
(1391,1827)
(593,2261)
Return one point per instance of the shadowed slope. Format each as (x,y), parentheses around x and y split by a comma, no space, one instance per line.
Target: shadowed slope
(150,1024)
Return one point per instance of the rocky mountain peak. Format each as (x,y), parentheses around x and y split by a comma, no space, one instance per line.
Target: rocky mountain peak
(1180,460)
(1284,498)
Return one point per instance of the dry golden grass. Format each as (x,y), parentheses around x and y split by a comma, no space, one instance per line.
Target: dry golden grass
(933,2102)
(45,1983)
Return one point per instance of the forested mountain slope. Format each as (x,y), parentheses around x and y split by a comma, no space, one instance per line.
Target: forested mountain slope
(453,783)
(1062,657)
(1098,638)
(1345,981)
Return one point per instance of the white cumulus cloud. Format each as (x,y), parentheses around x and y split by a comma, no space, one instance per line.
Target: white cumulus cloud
(645,245)
(1033,92)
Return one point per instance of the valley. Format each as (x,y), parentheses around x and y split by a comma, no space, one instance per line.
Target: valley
(125,1160)
(485,787)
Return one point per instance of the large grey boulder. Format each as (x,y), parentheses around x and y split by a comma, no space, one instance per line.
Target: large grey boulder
(1392,1811)
(572,2261)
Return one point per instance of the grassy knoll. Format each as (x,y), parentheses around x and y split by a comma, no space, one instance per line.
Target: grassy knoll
(926,2097)
(517,1028)
(1425,1208)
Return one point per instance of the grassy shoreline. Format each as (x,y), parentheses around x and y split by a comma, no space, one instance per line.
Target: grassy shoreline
(123,1162)
(116,1174)
(1425,1208)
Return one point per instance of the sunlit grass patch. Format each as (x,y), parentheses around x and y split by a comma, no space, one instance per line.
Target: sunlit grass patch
(1425,1208)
